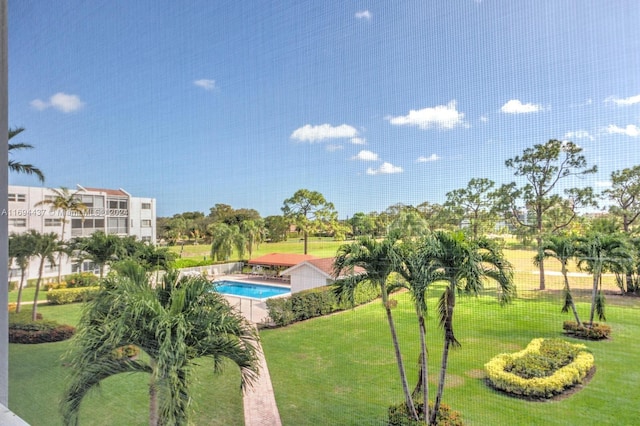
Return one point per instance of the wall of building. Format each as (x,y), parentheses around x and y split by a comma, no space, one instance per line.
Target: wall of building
(305,278)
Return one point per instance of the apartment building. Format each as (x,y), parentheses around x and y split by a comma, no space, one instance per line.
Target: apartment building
(113,211)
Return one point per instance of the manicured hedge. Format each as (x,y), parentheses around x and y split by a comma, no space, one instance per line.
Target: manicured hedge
(398,415)
(23,330)
(71,295)
(595,332)
(538,387)
(312,303)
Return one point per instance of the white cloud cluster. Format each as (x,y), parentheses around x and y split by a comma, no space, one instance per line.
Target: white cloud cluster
(365,155)
(384,169)
(206,84)
(444,117)
(578,134)
(358,141)
(630,130)
(432,157)
(363,14)
(631,100)
(60,101)
(309,133)
(515,106)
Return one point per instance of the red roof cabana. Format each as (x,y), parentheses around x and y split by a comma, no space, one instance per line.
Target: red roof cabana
(281,259)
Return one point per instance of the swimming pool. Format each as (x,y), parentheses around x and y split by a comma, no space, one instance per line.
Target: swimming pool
(250,290)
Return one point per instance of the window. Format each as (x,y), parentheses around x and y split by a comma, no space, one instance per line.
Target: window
(18,197)
(145,223)
(53,222)
(117,225)
(115,203)
(49,267)
(146,206)
(19,223)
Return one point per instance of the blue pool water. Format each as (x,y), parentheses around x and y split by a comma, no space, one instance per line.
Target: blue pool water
(255,291)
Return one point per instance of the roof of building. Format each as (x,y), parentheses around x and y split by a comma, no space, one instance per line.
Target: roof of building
(323,265)
(281,259)
(117,192)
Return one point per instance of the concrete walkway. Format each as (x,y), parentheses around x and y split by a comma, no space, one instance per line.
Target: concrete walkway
(260,407)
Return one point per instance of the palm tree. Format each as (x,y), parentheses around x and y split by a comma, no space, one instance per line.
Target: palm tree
(16,166)
(562,248)
(253,232)
(45,246)
(225,239)
(377,259)
(21,250)
(465,265)
(420,271)
(100,248)
(174,324)
(68,203)
(596,254)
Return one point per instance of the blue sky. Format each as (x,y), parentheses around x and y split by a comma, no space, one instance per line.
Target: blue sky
(369,102)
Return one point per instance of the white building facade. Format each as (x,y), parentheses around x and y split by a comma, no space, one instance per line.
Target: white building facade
(112,211)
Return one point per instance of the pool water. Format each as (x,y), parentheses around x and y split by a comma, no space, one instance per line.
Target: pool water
(254,291)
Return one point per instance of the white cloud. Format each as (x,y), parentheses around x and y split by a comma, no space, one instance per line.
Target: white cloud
(206,84)
(334,148)
(358,141)
(324,131)
(631,130)
(432,157)
(603,184)
(363,14)
(384,169)
(578,134)
(514,106)
(60,101)
(441,116)
(484,118)
(631,100)
(365,155)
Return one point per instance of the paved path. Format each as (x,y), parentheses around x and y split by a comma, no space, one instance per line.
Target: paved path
(260,407)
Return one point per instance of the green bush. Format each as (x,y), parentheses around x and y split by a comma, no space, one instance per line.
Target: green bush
(583,331)
(13,285)
(71,295)
(23,330)
(85,279)
(313,303)
(190,263)
(539,387)
(553,355)
(398,415)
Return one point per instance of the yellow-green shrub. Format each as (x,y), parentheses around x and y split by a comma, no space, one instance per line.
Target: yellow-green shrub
(71,295)
(541,387)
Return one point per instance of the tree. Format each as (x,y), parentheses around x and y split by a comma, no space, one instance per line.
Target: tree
(68,203)
(562,248)
(309,211)
(543,167)
(465,265)
(362,224)
(474,205)
(597,253)
(409,223)
(16,166)
(21,249)
(173,324)
(45,246)
(377,259)
(100,248)
(276,228)
(253,232)
(225,239)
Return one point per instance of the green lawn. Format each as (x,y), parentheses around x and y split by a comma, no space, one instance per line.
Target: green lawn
(37,378)
(340,369)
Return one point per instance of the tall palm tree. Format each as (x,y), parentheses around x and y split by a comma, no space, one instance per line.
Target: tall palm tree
(419,272)
(225,239)
(68,203)
(253,231)
(596,254)
(100,248)
(465,264)
(21,250)
(563,249)
(45,247)
(16,166)
(377,259)
(174,324)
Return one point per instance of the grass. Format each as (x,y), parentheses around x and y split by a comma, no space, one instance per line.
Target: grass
(28,294)
(340,369)
(37,378)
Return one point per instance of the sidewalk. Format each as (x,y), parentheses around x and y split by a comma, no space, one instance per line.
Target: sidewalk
(260,407)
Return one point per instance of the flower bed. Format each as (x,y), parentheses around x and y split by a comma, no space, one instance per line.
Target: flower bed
(539,384)
(23,330)
(594,332)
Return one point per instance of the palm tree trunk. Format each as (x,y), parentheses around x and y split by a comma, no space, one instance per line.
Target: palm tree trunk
(34,309)
(594,294)
(396,347)
(19,301)
(443,375)
(153,396)
(64,222)
(566,284)
(424,368)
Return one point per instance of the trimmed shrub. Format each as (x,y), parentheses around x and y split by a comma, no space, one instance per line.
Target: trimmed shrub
(85,279)
(191,263)
(398,415)
(71,295)
(539,386)
(583,331)
(23,330)
(280,311)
